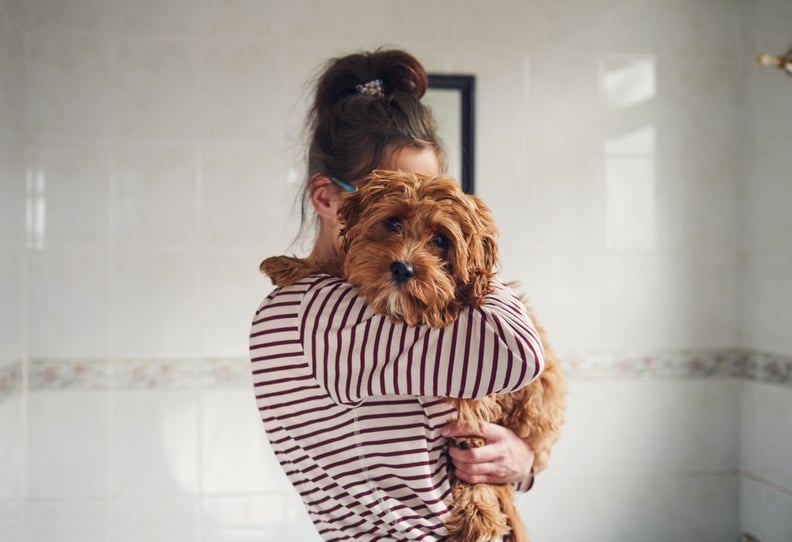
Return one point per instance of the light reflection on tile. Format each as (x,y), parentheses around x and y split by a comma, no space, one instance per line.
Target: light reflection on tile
(155,447)
(631,207)
(628,82)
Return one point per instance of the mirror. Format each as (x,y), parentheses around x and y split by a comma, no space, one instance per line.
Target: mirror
(452,100)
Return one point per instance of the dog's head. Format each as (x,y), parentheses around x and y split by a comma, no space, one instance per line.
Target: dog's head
(417,248)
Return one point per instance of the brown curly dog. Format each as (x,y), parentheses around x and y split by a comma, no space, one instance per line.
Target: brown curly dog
(418,249)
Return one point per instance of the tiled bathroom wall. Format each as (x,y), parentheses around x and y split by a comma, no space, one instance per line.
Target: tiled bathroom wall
(632,153)
(766,439)
(12,272)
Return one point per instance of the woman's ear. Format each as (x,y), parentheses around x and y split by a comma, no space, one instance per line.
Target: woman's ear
(324,196)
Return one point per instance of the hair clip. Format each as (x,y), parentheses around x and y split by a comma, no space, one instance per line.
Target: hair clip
(342,184)
(372,88)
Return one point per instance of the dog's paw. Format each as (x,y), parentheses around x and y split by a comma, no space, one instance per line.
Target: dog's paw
(466,443)
(286,270)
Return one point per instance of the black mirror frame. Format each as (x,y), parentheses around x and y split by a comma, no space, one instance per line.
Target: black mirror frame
(466,85)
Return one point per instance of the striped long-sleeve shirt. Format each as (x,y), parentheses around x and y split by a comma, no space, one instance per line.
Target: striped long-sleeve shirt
(351,401)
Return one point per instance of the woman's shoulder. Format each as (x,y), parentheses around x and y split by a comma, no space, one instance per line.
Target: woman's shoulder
(291,300)
(312,284)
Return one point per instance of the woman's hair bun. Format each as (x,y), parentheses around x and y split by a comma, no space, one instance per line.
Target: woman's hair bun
(366,106)
(399,71)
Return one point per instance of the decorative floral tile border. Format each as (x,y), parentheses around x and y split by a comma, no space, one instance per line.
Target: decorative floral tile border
(138,374)
(234,372)
(10,379)
(668,364)
(772,368)
(68,374)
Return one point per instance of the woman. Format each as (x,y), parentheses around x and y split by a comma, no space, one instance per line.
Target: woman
(350,400)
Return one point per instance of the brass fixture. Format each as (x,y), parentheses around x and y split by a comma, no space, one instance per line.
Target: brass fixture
(783,62)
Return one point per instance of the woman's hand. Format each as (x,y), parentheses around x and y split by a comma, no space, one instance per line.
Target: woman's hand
(506,458)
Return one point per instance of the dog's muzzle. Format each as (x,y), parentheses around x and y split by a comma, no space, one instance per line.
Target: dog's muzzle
(401,272)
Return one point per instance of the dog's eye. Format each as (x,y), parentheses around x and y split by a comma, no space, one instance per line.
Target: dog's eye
(393,224)
(440,241)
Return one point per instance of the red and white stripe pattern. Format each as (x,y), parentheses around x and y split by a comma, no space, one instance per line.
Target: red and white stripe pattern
(350,401)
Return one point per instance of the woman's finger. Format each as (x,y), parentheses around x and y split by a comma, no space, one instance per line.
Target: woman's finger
(481,473)
(485,454)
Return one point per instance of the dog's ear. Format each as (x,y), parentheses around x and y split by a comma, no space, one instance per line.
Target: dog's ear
(356,206)
(353,203)
(475,256)
(348,213)
(482,251)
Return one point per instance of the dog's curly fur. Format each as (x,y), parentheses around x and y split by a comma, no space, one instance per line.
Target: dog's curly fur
(447,240)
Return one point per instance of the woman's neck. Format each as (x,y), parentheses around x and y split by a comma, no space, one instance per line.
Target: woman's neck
(326,246)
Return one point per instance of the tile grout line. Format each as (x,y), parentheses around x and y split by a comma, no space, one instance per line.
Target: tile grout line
(765,482)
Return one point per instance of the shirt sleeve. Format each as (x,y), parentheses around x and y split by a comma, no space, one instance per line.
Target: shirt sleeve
(355,354)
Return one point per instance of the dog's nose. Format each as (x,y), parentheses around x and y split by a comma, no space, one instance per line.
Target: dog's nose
(401,272)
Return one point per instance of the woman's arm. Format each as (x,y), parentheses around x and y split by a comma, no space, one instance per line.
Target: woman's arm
(355,353)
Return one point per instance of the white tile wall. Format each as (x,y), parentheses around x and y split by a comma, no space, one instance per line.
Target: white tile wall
(565,291)
(766,433)
(679,438)
(703,202)
(155,305)
(571,216)
(12,46)
(698,293)
(156,443)
(85,520)
(766,300)
(225,306)
(68,303)
(155,88)
(12,277)
(12,187)
(769,188)
(13,461)
(587,202)
(235,454)
(623,508)
(70,16)
(69,437)
(633,156)
(260,171)
(71,183)
(662,427)
(230,78)
(12,192)
(242,518)
(174,519)
(68,79)
(765,512)
(12,520)
(766,277)
(12,458)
